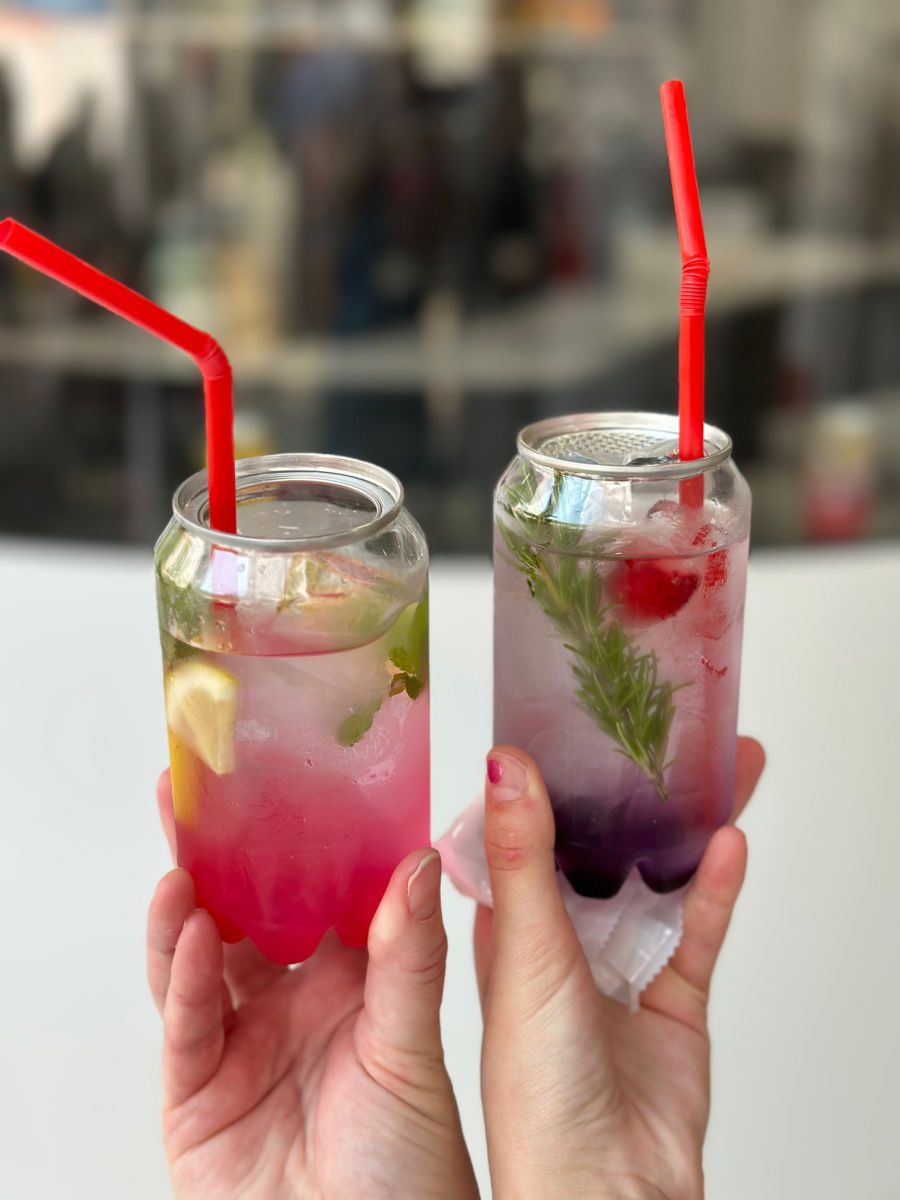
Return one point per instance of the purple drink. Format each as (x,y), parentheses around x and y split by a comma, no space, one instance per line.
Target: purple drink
(618,621)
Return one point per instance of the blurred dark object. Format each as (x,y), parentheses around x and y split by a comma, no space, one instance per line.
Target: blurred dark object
(840,476)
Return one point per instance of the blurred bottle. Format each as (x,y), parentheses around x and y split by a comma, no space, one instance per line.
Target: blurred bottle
(12,187)
(450,40)
(180,266)
(560,16)
(567,248)
(253,438)
(839,485)
(248,191)
(253,434)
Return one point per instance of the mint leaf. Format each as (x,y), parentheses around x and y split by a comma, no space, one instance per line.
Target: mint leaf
(403,660)
(410,657)
(402,682)
(417,642)
(173,650)
(398,684)
(357,724)
(184,615)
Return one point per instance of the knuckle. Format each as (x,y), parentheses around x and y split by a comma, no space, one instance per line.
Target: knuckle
(429,964)
(189,1038)
(507,847)
(422,960)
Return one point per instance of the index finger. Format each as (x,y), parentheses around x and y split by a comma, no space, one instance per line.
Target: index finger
(173,900)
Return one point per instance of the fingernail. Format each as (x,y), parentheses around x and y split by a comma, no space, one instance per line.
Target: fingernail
(195,915)
(423,888)
(507,777)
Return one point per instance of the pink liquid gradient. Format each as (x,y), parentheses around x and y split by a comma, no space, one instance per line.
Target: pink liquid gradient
(303,835)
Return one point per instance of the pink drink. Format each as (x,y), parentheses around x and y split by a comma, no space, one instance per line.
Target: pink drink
(619,615)
(303,835)
(297,707)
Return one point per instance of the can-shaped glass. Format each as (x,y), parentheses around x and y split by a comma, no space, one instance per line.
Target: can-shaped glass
(619,584)
(295,660)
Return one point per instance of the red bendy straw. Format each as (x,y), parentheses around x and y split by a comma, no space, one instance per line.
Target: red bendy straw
(694,269)
(51,260)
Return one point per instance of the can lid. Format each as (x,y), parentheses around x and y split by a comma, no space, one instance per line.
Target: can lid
(623,445)
(296,502)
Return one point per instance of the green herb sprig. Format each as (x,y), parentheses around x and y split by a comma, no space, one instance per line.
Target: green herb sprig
(618,683)
(410,658)
(185,611)
(357,724)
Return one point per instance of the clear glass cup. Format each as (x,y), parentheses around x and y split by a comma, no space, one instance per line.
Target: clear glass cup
(296,682)
(620,575)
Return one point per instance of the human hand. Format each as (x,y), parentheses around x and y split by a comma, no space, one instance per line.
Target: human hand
(583,1098)
(326,1080)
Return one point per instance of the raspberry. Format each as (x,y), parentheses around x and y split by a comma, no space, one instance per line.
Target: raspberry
(716,572)
(651,592)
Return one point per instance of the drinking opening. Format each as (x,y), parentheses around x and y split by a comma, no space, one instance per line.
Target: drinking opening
(296,502)
(619,446)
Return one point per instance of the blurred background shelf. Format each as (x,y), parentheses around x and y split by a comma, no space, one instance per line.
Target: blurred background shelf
(317,28)
(558,340)
(416,225)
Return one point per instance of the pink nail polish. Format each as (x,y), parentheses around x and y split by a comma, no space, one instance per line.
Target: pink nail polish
(507,778)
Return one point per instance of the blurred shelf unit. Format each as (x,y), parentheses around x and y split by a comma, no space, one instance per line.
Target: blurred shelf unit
(363,29)
(562,339)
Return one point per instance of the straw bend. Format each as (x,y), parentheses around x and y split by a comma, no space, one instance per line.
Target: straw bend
(694,279)
(212,360)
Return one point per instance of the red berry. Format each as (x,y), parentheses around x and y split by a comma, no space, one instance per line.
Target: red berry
(703,536)
(716,572)
(651,592)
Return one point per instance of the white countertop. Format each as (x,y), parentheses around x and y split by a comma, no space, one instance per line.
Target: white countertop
(805,1026)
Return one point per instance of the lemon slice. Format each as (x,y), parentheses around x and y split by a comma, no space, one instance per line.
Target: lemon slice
(187,781)
(201,709)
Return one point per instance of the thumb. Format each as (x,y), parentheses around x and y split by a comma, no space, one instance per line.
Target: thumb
(533,944)
(405,977)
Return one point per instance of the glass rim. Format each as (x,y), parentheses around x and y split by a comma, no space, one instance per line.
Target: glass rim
(717,445)
(190,503)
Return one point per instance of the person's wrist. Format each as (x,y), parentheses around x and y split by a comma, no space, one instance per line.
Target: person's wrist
(605,1187)
(634,1187)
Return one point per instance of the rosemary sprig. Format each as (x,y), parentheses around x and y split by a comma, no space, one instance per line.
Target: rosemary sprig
(618,684)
